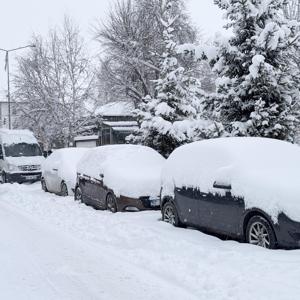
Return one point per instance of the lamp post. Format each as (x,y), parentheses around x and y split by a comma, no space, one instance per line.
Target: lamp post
(8,77)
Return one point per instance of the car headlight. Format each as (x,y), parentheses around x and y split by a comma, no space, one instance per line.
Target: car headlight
(12,168)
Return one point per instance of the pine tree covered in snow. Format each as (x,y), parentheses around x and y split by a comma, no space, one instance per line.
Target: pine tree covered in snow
(170,119)
(257,88)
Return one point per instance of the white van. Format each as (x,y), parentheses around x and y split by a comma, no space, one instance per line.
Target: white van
(20,156)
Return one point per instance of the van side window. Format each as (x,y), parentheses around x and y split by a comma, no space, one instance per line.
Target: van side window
(1,152)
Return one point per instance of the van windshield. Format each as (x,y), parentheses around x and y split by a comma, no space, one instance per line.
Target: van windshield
(22,149)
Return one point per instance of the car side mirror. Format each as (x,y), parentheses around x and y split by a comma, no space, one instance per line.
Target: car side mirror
(1,156)
(222,185)
(101,176)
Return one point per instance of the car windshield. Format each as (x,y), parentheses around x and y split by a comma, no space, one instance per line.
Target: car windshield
(22,149)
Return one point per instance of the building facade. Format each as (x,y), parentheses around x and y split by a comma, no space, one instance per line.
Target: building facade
(111,124)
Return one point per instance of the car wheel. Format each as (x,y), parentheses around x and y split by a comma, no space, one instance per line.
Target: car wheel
(4,177)
(259,232)
(78,194)
(170,215)
(111,204)
(63,189)
(44,186)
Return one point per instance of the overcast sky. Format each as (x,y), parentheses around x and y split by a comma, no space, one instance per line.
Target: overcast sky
(20,18)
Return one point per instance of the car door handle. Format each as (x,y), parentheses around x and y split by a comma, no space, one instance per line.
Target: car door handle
(55,170)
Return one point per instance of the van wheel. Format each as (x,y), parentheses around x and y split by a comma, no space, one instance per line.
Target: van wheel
(111,204)
(63,189)
(78,194)
(44,186)
(170,215)
(259,232)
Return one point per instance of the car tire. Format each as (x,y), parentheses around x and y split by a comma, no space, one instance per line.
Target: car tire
(170,214)
(4,177)
(259,232)
(44,186)
(78,194)
(63,190)
(111,203)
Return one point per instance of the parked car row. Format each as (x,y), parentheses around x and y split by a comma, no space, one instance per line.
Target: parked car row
(244,188)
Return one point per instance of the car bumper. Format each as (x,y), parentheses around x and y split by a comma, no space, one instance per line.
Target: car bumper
(23,177)
(137,204)
(287,232)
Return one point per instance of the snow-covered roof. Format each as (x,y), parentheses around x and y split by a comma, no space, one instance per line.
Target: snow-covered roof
(115,109)
(17,136)
(86,137)
(265,172)
(121,123)
(126,128)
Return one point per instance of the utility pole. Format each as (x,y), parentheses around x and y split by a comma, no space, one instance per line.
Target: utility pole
(8,78)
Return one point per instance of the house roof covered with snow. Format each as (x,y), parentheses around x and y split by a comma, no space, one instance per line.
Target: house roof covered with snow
(115,109)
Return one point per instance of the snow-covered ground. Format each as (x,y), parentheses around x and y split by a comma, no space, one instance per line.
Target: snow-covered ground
(54,248)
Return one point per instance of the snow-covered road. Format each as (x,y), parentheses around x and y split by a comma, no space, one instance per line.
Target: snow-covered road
(54,248)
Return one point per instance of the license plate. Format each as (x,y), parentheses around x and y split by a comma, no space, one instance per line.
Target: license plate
(30,177)
(155,203)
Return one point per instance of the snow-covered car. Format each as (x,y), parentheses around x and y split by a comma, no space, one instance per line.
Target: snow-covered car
(243,188)
(120,178)
(20,156)
(59,170)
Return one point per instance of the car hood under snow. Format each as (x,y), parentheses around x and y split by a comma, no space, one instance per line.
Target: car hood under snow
(265,172)
(129,170)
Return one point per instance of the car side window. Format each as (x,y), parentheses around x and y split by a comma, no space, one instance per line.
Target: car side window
(190,192)
(1,152)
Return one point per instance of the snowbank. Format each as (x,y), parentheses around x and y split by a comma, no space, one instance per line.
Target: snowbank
(129,170)
(265,172)
(103,256)
(65,160)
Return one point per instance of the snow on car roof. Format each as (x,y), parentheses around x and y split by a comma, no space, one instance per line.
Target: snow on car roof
(17,136)
(129,170)
(265,172)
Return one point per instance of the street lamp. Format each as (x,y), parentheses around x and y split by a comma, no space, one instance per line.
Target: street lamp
(8,77)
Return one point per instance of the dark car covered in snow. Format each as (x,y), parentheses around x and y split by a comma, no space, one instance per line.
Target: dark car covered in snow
(243,188)
(120,178)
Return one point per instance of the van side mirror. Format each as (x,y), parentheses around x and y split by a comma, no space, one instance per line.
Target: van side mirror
(1,156)
(222,185)
(101,176)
